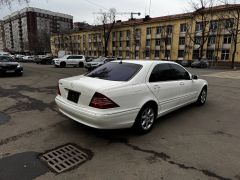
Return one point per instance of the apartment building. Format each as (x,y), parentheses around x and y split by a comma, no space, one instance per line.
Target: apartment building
(2,42)
(29,29)
(206,34)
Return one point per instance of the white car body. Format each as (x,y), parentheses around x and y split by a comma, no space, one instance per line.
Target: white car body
(28,58)
(130,95)
(70,60)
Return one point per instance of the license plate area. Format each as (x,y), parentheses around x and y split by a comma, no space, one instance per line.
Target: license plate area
(73,96)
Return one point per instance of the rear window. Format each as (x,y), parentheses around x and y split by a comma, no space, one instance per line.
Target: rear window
(115,71)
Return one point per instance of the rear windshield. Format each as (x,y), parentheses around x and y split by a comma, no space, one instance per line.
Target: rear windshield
(115,71)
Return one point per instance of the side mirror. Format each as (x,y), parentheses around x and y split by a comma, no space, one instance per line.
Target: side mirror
(194,77)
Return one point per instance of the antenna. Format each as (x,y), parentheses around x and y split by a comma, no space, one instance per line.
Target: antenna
(150,3)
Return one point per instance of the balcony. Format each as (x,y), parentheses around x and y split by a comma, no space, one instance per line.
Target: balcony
(226,46)
(158,36)
(137,48)
(157,48)
(211,46)
(148,36)
(181,47)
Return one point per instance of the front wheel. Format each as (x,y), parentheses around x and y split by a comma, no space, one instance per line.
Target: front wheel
(145,120)
(202,97)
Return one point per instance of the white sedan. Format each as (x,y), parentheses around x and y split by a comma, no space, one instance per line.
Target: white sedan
(123,94)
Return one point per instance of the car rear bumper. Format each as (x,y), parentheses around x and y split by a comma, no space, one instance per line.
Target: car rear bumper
(95,119)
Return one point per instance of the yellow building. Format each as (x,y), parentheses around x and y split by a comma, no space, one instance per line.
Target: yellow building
(206,33)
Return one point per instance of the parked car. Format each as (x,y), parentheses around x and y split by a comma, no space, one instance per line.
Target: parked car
(123,94)
(185,63)
(44,60)
(19,57)
(97,62)
(70,60)
(28,59)
(200,64)
(8,65)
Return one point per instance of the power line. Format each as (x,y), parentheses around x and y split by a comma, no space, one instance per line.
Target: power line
(95,4)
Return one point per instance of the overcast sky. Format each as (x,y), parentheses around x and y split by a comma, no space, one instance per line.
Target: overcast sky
(82,10)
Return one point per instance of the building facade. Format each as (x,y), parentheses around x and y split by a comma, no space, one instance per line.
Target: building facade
(29,30)
(204,34)
(2,37)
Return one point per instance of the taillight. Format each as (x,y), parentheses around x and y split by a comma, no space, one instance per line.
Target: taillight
(58,90)
(102,102)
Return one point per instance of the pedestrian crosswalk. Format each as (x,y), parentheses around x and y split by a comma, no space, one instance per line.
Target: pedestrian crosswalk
(225,75)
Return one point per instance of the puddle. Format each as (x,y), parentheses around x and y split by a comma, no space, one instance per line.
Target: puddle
(24,165)
(4,118)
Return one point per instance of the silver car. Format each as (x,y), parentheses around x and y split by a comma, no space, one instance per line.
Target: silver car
(97,62)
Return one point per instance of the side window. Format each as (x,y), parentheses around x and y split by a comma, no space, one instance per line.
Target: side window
(70,57)
(179,73)
(79,57)
(161,72)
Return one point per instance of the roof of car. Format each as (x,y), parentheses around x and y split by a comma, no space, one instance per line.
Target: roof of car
(146,62)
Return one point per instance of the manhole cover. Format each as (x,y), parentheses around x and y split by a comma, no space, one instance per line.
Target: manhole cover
(66,157)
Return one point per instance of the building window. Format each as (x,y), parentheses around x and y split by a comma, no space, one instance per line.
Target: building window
(113,34)
(227,39)
(211,40)
(127,53)
(180,53)
(147,53)
(210,54)
(183,27)
(213,25)
(199,26)
(148,42)
(136,53)
(157,54)
(113,44)
(113,53)
(158,31)
(195,54)
(169,29)
(169,41)
(137,42)
(128,34)
(167,54)
(198,40)
(127,43)
(181,40)
(120,34)
(229,23)
(157,42)
(120,44)
(149,31)
(120,53)
(225,54)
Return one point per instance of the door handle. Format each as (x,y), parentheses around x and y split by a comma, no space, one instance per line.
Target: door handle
(181,83)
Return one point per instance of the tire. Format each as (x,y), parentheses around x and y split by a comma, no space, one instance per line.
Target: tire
(145,119)
(202,97)
(81,65)
(62,65)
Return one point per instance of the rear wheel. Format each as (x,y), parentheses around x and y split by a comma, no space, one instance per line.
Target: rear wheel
(62,65)
(145,120)
(202,97)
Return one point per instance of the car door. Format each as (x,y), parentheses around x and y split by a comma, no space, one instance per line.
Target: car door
(187,93)
(70,60)
(162,86)
(78,59)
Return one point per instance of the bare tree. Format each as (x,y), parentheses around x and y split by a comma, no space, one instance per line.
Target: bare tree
(10,2)
(108,20)
(201,18)
(231,22)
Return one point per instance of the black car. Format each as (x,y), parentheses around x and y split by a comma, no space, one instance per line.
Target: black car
(8,65)
(44,60)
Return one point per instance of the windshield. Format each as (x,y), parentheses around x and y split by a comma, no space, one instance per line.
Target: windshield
(114,71)
(5,59)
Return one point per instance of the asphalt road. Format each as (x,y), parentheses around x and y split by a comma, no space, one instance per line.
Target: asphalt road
(191,143)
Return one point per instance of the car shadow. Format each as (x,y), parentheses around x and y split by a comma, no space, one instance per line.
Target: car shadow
(9,75)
